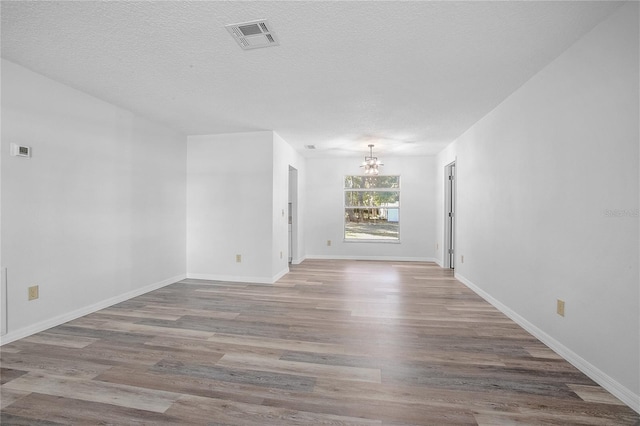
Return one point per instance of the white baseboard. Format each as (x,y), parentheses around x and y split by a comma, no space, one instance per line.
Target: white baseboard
(12,336)
(617,389)
(280,274)
(383,258)
(238,278)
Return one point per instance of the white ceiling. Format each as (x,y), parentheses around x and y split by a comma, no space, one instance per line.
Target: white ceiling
(409,77)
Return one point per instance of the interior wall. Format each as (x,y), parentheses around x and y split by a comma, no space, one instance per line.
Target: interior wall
(548,204)
(230,206)
(325,209)
(237,201)
(97,214)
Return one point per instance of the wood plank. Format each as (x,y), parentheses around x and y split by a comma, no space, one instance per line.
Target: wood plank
(61,366)
(201,410)
(594,394)
(275,343)
(306,369)
(8,374)
(64,410)
(65,341)
(9,396)
(189,384)
(256,375)
(95,391)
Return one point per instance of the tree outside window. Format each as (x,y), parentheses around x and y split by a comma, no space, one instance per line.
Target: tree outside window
(372,208)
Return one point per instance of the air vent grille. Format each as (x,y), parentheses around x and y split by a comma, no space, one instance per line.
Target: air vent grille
(236,32)
(249,30)
(253,34)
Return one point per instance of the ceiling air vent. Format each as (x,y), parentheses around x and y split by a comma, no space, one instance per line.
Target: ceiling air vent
(310,147)
(253,34)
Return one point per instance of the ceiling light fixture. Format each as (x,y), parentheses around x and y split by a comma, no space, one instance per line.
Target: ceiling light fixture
(371,163)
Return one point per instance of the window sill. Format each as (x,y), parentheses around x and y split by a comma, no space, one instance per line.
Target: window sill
(381,241)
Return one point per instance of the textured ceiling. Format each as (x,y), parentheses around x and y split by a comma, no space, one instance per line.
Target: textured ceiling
(409,77)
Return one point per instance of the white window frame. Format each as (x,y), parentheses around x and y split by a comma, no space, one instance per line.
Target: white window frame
(398,189)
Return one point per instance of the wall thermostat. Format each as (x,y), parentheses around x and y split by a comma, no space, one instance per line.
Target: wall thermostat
(20,150)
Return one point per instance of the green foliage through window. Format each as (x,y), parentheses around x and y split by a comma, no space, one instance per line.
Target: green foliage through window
(372,208)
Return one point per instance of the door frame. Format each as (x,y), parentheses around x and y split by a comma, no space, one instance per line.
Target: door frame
(449,243)
(292,227)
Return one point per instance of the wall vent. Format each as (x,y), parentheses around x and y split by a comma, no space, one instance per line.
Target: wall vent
(310,147)
(253,34)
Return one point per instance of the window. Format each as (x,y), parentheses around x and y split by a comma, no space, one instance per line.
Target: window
(372,208)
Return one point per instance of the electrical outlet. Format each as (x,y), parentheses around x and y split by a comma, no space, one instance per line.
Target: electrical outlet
(238,258)
(560,307)
(462,258)
(328,242)
(280,255)
(33,292)
(437,246)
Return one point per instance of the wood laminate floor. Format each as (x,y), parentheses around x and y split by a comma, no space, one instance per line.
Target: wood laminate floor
(331,343)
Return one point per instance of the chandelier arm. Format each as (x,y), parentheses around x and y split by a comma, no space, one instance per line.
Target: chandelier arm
(371,163)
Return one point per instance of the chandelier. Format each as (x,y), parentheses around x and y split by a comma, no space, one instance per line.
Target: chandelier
(371,163)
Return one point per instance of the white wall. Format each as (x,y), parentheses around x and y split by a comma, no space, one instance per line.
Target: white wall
(97,215)
(229,206)
(237,189)
(548,204)
(325,209)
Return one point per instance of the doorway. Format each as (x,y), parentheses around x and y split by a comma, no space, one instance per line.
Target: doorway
(449,215)
(293,214)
